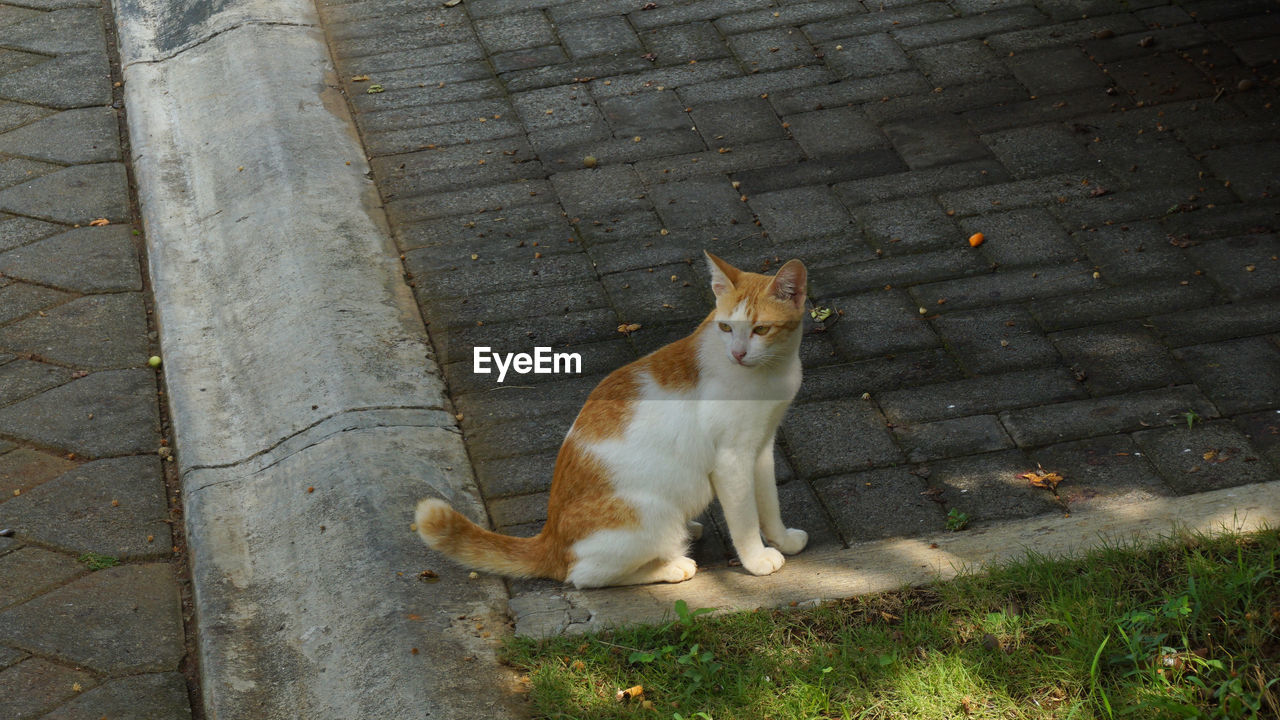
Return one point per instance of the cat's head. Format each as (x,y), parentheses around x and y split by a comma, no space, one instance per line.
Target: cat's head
(759,317)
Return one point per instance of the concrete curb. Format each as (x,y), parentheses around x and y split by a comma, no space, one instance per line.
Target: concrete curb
(882,565)
(307,408)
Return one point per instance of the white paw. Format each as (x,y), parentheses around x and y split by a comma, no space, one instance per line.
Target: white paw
(765,562)
(792,541)
(679,570)
(695,530)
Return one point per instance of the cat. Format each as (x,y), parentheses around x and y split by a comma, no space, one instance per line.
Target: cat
(652,444)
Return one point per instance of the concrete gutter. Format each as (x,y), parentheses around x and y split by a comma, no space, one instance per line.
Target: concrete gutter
(308,411)
(882,565)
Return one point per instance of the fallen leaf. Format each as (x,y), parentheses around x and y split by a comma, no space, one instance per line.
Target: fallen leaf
(627,328)
(360,78)
(1099,192)
(1048,480)
(374,89)
(820,314)
(633,692)
(649,6)
(451,3)
(99,222)
(976,239)
(428,576)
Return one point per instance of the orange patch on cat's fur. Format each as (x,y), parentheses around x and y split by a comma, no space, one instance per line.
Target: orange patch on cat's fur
(675,367)
(582,502)
(609,407)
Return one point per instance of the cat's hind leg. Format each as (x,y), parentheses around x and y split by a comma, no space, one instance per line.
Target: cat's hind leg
(628,557)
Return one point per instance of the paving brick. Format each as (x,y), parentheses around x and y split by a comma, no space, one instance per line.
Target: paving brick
(879,323)
(1021,238)
(826,170)
(684,43)
(610,68)
(1246,167)
(518,438)
(517,476)
(987,487)
(375,26)
(1040,150)
(1263,430)
(24,469)
(896,270)
(96,331)
(122,404)
(29,571)
(935,180)
(737,122)
(1139,153)
(1134,252)
(660,294)
(19,299)
(699,202)
(1032,427)
(1042,109)
(948,101)
(433,95)
(700,10)
(556,107)
(491,8)
(907,226)
(1053,35)
(658,143)
(18,231)
(1056,71)
(1120,303)
(858,502)
(507,512)
(1244,267)
(492,198)
(459,58)
(932,141)
(754,85)
(82,193)
(528,59)
(1038,192)
(656,79)
(515,32)
(995,340)
(848,91)
(162,696)
(957,63)
(589,9)
(1208,456)
(996,288)
(511,271)
(599,36)
(528,401)
(806,212)
(875,22)
(973,26)
(790,14)
(1118,358)
(1141,204)
(1101,473)
(1237,375)
(837,131)
(632,115)
(34,686)
(838,436)
(600,192)
(772,49)
(952,438)
(977,396)
(864,56)
(1221,322)
(876,374)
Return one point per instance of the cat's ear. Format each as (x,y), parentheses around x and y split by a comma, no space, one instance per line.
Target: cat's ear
(789,283)
(723,275)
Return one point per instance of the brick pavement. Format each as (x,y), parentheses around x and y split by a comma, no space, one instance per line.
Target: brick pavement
(1119,157)
(81,481)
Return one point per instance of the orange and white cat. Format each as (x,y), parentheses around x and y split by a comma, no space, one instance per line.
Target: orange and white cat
(654,441)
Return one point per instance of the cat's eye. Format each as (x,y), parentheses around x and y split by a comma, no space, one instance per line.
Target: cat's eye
(760,329)
(724,326)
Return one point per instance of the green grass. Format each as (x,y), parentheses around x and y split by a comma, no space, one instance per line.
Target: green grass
(1189,628)
(96,561)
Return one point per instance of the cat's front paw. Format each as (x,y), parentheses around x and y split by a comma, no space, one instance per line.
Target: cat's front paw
(792,541)
(765,562)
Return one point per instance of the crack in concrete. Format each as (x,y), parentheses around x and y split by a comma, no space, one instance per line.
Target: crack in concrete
(197,43)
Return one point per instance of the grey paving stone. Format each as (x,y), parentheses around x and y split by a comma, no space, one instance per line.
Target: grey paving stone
(864,56)
(18,170)
(29,571)
(880,503)
(124,619)
(973,26)
(495,271)
(808,212)
(18,231)
(1221,322)
(600,193)
(1101,472)
(557,331)
(1040,150)
(23,378)
(838,436)
(1237,375)
(154,696)
(1243,266)
(556,106)
(24,469)
(589,9)
(896,270)
(1208,456)
(772,49)
(518,477)
(981,197)
(907,226)
(86,260)
(516,510)
(527,401)
(700,10)
(109,507)
(794,171)
(10,14)
(995,340)
(1020,238)
(978,396)
(875,22)
(952,438)
(96,331)
(876,323)
(931,141)
(802,509)
(60,32)
(491,198)
(987,487)
(1003,286)
(67,81)
(34,686)
(444,114)
(684,43)
(1032,427)
(848,91)
(1117,358)
(1134,252)
(385,54)
(77,194)
(84,135)
(736,123)
(10,657)
(699,202)
(960,62)
(1058,70)
(755,85)
(1060,34)
(1263,430)
(876,374)
(21,299)
(518,438)
(599,36)
(631,115)
(1119,303)
(837,131)
(467,310)
(515,32)
(789,14)
(122,402)
(657,295)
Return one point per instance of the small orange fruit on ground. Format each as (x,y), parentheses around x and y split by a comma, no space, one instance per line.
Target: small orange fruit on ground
(976,239)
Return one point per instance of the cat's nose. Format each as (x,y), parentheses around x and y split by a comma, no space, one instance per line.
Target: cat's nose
(739,354)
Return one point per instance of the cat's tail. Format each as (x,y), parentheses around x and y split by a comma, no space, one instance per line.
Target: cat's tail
(447,530)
